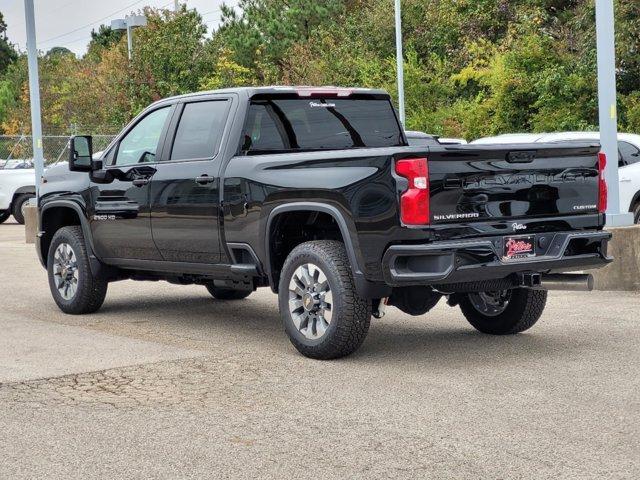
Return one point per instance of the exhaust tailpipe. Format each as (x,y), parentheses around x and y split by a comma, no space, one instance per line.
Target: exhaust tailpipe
(573,282)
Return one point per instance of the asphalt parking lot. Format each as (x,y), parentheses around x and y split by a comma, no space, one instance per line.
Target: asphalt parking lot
(165,382)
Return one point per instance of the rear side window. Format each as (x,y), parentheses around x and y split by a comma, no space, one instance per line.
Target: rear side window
(199,131)
(281,125)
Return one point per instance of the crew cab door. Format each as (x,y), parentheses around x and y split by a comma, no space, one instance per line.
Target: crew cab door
(185,190)
(120,221)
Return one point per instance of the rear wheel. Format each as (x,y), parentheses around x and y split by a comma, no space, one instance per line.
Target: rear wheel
(636,214)
(228,293)
(322,313)
(504,312)
(19,205)
(4,215)
(74,288)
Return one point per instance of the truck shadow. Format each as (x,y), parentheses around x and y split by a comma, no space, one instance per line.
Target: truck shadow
(425,340)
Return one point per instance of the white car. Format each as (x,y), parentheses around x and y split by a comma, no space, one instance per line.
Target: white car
(421,139)
(17,186)
(452,141)
(15,164)
(628,159)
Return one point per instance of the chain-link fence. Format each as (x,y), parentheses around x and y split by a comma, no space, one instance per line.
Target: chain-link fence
(55,147)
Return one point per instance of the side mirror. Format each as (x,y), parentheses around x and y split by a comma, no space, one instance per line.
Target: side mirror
(80,154)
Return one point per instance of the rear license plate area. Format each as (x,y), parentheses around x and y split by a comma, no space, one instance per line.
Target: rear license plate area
(519,247)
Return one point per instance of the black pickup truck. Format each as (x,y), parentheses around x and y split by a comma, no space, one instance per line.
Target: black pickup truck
(316,193)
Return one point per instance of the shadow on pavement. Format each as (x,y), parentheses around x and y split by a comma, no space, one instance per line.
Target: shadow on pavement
(396,338)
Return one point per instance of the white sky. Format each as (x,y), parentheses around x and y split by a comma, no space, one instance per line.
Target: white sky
(68,23)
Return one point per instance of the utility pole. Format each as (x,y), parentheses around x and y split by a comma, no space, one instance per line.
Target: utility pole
(128,24)
(605,28)
(129,41)
(400,62)
(34,93)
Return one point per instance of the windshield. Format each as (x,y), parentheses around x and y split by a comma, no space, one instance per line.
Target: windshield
(278,125)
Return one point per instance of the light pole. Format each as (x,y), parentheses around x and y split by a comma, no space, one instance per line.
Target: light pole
(34,93)
(605,28)
(128,24)
(400,62)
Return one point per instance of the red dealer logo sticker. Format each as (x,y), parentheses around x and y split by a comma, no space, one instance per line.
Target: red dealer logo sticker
(519,247)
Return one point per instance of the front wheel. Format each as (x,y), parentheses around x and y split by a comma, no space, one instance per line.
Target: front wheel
(19,206)
(4,215)
(505,312)
(322,313)
(74,287)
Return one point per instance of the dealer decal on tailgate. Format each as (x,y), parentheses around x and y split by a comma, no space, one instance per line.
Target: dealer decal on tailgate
(519,247)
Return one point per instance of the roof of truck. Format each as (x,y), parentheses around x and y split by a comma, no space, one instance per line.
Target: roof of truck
(303,91)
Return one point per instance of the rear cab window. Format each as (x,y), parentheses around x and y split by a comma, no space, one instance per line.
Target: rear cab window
(289,123)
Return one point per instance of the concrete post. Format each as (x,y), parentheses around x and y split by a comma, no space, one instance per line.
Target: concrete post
(34,93)
(400,62)
(605,25)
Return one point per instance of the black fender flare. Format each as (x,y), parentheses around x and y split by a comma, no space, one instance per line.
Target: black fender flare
(634,201)
(26,189)
(94,261)
(312,207)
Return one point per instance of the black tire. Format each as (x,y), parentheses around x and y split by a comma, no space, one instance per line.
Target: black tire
(350,313)
(523,310)
(636,214)
(91,291)
(4,215)
(227,293)
(18,204)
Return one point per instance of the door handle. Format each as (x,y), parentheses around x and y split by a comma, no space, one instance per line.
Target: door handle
(625,180)
(205,179)
(140,182)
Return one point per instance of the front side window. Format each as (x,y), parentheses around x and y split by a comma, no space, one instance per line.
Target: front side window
(277,125)
(199,130)
(629,154)
(141,143)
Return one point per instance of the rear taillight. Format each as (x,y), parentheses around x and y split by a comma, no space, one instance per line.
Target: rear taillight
(602,184)
(414,202)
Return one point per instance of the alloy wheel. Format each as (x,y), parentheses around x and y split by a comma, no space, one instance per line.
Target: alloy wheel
(65,271)
(491,304)
(310,301)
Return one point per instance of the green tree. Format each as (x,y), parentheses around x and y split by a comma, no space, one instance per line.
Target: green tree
(8,53)
(169,56)
(266,29)
(102,39)
(7,99)
(59,51)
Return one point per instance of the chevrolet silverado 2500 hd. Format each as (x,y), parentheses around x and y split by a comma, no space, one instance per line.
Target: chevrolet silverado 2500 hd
(316,193)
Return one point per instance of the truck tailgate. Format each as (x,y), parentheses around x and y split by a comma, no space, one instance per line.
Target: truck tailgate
(508,182)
